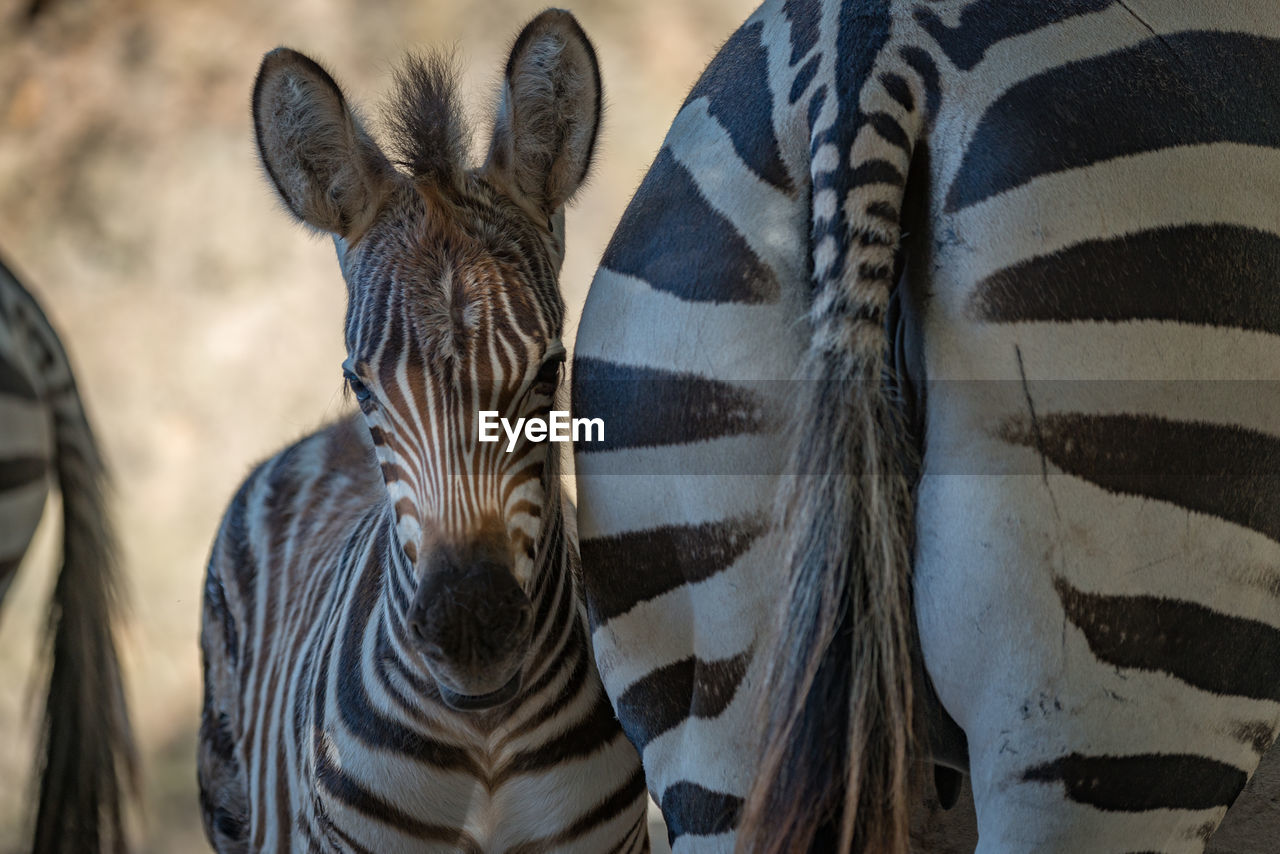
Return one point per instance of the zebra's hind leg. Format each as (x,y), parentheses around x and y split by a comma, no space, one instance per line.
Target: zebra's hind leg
(1101,804)
(1107,710)
(224,803)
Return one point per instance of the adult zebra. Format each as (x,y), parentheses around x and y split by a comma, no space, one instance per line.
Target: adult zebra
(396,657)
(86,762)
(1082,202)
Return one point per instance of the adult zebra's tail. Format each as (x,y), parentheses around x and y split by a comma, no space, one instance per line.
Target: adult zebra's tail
(88,765)
(840,718)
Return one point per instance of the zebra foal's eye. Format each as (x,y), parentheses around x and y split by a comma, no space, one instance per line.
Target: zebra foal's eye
(548,378)
(359,389)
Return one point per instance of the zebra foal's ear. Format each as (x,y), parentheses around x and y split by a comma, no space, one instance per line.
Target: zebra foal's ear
(549,113)
(327,170)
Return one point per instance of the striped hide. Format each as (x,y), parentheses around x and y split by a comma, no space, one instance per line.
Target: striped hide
(938,350)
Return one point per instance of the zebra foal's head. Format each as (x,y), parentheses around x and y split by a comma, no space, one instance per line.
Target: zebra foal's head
(454,308)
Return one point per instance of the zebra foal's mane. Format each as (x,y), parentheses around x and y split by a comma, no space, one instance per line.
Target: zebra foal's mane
(429,133)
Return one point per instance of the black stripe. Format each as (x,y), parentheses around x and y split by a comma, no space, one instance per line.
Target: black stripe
(647,407)
(986,22)
(693,810)
(420,694)
(234,554)
(336,782)
(805,16)
(8,566)
(362,720)
(1211,651)
(1223,471)
(215,730)
(862,33)
(577,647)
(1184,89)
(1259,735)
(586,736)
(898,90)
(602,812)
(623,570)
(803,78)
(670,695)
(737,85)
(217,615)
(816,103)
(1216,275)
(17,472)
(1142,782)
(15,382)
(887,126)
(923,64)
(876,172)
(352,794)
(348,844)
(883,210)
(671,238)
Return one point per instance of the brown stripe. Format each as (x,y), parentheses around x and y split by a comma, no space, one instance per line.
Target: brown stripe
(1224,471)
(670,695)
(17,472)
(1209,275)
(1143,782)
(624,570)
(1214,652)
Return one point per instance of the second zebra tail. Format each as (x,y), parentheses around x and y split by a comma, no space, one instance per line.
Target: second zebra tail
(89,765)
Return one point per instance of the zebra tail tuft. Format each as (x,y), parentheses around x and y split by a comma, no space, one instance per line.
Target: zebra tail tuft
(89,764)
(838,706)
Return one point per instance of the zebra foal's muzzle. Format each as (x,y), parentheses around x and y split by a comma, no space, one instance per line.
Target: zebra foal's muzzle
(472,622)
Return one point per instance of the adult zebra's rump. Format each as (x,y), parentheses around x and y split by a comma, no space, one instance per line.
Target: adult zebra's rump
(1078,205)
(86,760)
(395,653)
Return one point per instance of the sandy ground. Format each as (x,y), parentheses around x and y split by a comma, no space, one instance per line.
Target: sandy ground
(205,327)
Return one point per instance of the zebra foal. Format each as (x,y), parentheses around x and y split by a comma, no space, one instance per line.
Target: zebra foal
(395,656)
(88,765)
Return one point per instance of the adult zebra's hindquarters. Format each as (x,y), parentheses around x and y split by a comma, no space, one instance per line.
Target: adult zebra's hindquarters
(395,656)
(1086,194)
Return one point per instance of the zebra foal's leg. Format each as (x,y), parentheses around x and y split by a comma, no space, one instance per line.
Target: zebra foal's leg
(224,802)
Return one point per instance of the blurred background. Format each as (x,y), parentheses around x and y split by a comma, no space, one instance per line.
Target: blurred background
(205,328)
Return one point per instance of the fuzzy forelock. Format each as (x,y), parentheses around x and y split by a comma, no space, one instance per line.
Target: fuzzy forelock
(428,132)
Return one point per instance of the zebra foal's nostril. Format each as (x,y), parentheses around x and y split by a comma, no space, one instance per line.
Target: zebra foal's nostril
(417,622)
(525,618)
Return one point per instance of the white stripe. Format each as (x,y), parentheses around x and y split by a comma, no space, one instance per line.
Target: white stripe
(1149,350)
(733,342)
(1215,184)
(613,504)
(714,619)
(770,222)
